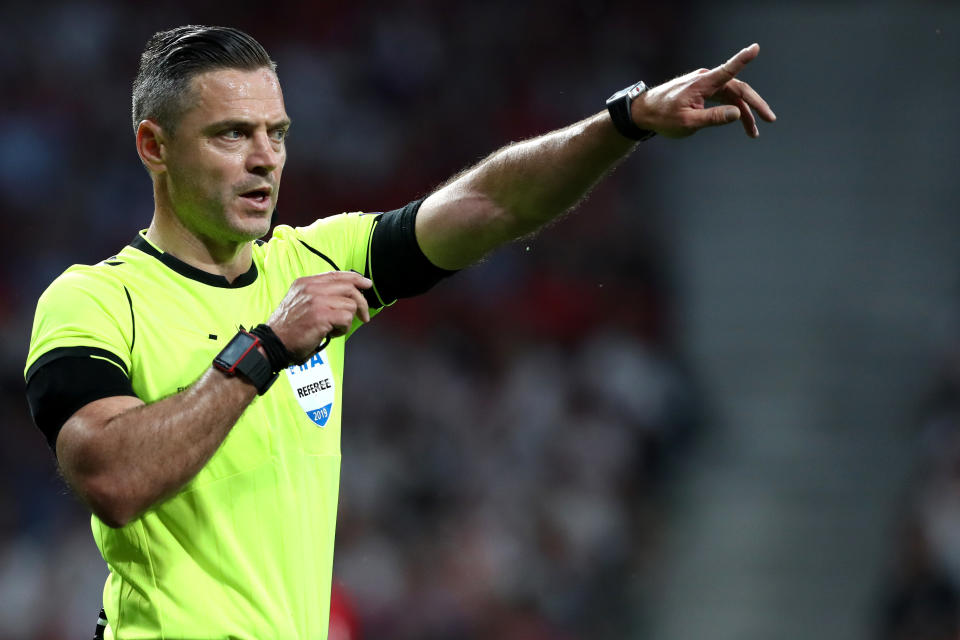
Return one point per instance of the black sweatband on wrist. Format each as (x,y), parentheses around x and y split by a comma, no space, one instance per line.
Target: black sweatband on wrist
(277,353)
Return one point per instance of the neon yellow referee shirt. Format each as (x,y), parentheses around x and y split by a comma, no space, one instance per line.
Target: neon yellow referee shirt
(245,549)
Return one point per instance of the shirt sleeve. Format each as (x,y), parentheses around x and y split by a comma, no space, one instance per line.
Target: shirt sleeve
(60,386)
(80,347)
(342,241)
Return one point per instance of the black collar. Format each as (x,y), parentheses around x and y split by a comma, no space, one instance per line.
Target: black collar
(188,271)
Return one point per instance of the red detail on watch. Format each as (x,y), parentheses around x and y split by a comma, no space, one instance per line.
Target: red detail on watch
(232,369)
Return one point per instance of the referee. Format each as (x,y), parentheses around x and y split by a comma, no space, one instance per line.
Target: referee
(190,385)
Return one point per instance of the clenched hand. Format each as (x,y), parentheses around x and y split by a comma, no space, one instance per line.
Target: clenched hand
(317,307)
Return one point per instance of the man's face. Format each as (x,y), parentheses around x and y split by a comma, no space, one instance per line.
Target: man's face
(224,160)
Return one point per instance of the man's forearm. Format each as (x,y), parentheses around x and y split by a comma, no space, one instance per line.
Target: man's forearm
(516,190)
(124,464)
(525,185)
(536,180)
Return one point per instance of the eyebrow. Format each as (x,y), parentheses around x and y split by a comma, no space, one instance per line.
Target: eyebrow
(235,123)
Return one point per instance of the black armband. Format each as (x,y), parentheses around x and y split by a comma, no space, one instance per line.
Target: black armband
(398,266)
(65,380)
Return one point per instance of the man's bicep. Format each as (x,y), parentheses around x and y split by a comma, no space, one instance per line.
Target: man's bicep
(456,228)
(74,435)
(64,381)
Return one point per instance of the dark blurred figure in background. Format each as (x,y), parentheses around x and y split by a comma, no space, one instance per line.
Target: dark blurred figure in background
(922,602)
(922,595)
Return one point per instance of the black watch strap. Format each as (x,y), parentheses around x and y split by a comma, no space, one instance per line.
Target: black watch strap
(618,105)
(277,353)
(241,356)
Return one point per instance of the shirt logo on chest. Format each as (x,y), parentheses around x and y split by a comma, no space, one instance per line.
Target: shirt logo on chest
(313,387)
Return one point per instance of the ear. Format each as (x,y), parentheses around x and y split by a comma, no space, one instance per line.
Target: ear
(151,146)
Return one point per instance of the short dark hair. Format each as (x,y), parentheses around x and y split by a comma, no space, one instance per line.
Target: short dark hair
(171,58)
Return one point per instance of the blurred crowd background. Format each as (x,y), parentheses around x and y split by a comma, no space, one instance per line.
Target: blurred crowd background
(528,447)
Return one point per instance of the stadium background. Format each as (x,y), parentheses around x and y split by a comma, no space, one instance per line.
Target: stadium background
(722,398)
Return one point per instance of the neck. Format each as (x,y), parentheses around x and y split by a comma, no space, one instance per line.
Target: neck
(226,258)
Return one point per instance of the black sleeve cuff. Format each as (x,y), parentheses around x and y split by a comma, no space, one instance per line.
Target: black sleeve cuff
(397,264)
(58,386)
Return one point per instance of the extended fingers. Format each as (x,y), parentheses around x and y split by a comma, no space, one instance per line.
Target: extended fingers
(746,114)
(726,72)
(746,119)
(742,90)
(713,117)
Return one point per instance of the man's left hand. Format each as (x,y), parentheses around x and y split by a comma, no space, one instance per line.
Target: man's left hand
(676,109)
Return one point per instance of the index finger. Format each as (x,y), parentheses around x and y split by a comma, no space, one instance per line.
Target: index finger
(361,280)
(352,277)
(726,72)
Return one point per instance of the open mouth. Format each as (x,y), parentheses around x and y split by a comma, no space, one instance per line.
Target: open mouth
(257,195)
(259,198)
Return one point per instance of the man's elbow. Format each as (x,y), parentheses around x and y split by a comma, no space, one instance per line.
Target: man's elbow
(107,497)
(88,460)
(106,494)
(109,503)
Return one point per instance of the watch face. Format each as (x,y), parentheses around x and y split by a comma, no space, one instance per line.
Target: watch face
(237,347)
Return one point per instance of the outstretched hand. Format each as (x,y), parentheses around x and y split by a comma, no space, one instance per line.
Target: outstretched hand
(676,109)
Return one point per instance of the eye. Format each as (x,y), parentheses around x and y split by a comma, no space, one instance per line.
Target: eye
(278,135)
(232,134)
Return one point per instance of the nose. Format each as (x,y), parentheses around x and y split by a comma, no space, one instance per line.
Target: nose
(265,155)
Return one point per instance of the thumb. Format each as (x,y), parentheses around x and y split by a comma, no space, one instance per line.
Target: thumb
(716,116)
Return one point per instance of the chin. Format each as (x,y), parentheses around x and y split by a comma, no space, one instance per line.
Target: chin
(255,233)
(248,227)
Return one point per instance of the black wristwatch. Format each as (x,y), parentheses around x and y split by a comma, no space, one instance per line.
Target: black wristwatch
(242,356)
(619,107)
